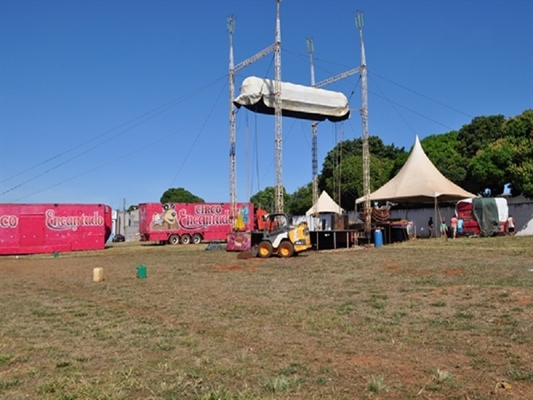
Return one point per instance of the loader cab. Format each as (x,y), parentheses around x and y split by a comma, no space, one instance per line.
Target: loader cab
(276,222)
(280,237)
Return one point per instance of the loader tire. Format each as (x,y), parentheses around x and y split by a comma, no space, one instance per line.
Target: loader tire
(265,249)
(286,249)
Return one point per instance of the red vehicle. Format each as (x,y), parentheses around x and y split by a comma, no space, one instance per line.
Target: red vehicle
(186,223)
(50,228)
(490,217)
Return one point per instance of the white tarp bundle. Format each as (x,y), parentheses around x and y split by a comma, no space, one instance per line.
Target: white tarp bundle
(418,181)
(297,101)
(325,204)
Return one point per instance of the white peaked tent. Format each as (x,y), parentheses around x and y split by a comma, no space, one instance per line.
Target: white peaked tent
(325,204)
(419,181)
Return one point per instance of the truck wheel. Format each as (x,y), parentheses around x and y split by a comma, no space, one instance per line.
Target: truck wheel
(173,239)
(196,238)
(185,239)
(286,249)
(265,249)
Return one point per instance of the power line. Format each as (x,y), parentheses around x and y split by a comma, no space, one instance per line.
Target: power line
(197,136)
(156,111)
(304,57)
(383,96)
(425,97)
(395,109)
(149,115)
(413,111)
(164,138)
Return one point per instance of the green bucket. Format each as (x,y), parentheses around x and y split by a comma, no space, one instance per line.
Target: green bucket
(141,271)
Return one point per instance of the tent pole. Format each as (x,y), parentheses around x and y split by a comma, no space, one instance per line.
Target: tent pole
(435,220)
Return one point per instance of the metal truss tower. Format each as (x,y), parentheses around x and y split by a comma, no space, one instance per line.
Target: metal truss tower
(278,150)
(232,136)
(314,125)
(364,117)
(314,129)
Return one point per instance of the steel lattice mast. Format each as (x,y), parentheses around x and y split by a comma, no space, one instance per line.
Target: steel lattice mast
(314,129)
(314,126)
(232,136)
(364,117)
(232,161)
(278,143)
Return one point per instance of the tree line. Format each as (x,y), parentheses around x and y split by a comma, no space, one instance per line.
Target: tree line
(483,157)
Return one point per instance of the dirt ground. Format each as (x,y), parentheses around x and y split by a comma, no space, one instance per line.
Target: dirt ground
(426,319)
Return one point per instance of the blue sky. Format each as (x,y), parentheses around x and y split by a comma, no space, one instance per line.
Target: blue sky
(102,101)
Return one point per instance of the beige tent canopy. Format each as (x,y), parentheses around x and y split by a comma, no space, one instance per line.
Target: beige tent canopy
(419,181)
(297,101)
(325,204)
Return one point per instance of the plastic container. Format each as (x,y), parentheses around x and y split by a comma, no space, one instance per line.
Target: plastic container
(378,238)
(141,271)
(98,274)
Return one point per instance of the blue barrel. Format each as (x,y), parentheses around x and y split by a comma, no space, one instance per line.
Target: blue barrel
(378,238)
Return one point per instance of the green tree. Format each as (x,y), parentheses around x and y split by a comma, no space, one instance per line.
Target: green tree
(342,169)
(180,195)
(498,153)
(443,152)
(347,179)
(489,168)
(479,133)
(519,127)
(265,199)
(521,169)
(354,147)
(301,200)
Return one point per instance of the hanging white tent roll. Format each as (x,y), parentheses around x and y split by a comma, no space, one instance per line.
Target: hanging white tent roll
(297,101)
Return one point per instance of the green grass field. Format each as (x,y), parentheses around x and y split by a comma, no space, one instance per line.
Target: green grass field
(424,319)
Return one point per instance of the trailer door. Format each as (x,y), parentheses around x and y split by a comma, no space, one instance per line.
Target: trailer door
(31,230)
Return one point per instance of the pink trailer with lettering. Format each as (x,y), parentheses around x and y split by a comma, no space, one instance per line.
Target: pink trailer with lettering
(50,228)
(186,223)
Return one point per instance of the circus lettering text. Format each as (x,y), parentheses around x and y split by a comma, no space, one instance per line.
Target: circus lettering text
(56,222)
(8,221)
(203,216)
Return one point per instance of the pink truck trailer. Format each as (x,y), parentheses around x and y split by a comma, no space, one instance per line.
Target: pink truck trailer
(186,223)
(50,228)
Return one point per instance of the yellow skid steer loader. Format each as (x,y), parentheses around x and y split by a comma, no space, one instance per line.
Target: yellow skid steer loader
(280,237)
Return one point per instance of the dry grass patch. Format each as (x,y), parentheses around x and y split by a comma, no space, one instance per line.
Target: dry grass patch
(427,318)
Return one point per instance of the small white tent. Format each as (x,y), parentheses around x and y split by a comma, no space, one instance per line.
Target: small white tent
(419,181)
(325,204)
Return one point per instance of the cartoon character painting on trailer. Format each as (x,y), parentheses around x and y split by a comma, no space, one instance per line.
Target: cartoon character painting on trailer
(242,218)
(168,219)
